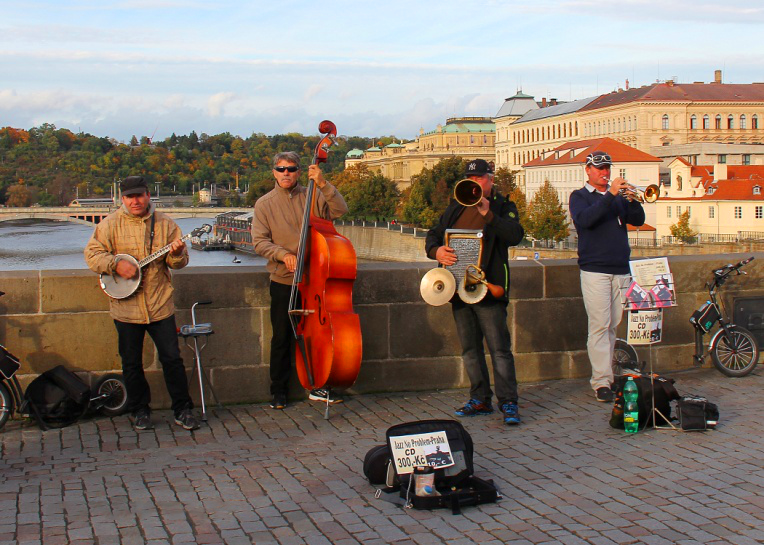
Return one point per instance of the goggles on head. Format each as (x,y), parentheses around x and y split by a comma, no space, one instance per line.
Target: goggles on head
(598,160)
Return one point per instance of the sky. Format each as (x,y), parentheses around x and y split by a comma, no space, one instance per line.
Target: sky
(157,67)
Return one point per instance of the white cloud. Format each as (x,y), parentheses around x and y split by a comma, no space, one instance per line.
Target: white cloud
(217,103)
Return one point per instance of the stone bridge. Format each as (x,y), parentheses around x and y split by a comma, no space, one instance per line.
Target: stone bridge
(91,215)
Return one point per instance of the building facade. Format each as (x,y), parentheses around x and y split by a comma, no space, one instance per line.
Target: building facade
(466,137)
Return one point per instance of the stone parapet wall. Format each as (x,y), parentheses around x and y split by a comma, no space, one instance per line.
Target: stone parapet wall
(61,317)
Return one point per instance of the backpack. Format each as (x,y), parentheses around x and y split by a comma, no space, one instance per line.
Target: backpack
(662,389)
(57,398)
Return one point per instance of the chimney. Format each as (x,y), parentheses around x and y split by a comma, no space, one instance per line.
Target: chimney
(627,84)
(717,76)
(554,101)
(720,172)
(543,102)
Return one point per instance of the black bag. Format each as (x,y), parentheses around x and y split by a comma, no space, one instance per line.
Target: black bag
(57,398)
(378,468)
(696,413)
(455,484)
(663,390)
(9,363)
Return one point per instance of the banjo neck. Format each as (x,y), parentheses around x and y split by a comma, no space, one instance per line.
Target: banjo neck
(160,252)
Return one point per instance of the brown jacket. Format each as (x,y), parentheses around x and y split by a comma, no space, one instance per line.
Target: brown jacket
(277,221)
(123,233)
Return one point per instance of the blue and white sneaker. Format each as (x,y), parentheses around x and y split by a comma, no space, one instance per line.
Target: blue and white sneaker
(511,414)
(474,407)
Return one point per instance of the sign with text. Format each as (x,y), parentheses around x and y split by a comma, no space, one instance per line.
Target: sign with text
(645,326)
(424,449)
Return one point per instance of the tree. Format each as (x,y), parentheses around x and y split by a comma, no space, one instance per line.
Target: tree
(546,217)
(431,191)
(19,195)
(518,197)
(504,180)
(682,230)
(369,195)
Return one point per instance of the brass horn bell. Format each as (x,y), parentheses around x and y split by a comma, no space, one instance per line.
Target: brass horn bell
(468,192)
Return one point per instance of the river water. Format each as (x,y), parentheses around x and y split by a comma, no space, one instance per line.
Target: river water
(47,245)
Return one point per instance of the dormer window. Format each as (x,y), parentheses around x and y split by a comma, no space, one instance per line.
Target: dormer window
(711,190)
(757,190)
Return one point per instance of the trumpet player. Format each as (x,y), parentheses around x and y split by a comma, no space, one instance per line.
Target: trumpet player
(497,217)
(600,211)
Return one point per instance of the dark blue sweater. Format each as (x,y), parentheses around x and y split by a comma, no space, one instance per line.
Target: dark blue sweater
(603,243)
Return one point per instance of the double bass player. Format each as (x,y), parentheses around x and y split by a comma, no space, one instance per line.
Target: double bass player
(276,225)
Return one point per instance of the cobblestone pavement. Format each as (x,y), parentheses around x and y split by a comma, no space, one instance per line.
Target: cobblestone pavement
(256,475)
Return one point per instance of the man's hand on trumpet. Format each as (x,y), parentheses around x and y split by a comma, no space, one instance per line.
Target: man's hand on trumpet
(618,185)
(446,255)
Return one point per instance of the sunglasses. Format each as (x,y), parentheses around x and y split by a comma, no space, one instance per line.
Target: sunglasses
(286,169)
(599,160)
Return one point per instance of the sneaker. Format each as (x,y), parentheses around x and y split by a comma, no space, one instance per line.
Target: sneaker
(279,401)
(511,414)
(187,420)
(474,407)
(604,394)
(322,394)
(142,420)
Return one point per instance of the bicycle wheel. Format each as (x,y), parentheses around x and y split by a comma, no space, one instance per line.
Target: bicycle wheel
(6,404)
(736,353)
(624,357)
(112,387)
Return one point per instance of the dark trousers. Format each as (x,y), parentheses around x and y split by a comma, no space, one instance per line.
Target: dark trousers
(486,320)
(282,342)
(165,337)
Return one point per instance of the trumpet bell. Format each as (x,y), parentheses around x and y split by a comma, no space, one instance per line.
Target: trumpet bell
(468,192)
(652,192)
(437,287)
(472,293)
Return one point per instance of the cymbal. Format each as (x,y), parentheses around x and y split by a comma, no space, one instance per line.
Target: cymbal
(474,293)
(437,286)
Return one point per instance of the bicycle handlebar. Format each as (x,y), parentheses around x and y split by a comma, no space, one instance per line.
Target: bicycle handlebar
(729,269)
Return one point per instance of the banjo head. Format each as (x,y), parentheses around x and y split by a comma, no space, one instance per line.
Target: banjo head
(117,287)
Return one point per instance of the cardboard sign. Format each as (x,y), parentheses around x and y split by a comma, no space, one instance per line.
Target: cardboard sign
(645,326)
(424,449)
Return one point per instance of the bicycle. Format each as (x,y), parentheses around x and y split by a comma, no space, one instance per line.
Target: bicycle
(625,359)
(109,395)
(733,349)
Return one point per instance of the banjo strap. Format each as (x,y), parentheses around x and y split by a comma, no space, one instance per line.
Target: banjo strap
(151,236)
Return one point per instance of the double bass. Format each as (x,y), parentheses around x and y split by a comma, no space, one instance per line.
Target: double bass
(326,330)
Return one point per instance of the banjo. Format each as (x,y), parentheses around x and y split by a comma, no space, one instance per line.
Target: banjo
(117,287)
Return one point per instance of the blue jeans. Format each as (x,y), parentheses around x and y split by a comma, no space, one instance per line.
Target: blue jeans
(486,320)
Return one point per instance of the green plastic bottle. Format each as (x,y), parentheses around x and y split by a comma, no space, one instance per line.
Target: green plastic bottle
(631,408)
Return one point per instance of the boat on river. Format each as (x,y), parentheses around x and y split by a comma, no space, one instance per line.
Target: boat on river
(235,229)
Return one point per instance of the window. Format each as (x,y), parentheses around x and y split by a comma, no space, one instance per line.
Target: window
(664,122)
(754,121)
(711,212)
(722,159)
(706,122)
(678,211)
(694,122)
(743,122)
(668,211)
(689,211)
(730,122)
(759,212)
(622,173)
(738,212)
(757,190)
(746,158)
(718,122)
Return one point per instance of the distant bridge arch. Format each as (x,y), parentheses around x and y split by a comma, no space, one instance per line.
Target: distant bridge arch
(93,215)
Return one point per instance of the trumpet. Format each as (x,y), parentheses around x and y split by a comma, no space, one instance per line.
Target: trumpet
(647,194)
(468,192)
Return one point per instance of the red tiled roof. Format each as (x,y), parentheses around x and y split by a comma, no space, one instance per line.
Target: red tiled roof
(727,190)
(681,92)
(619,153)
(682,160)
(645,227)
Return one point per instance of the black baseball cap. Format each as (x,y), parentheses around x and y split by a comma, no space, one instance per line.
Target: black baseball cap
(478,167)
(598,159)
(133,185)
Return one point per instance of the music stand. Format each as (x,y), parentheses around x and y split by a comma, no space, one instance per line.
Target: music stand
(651,297)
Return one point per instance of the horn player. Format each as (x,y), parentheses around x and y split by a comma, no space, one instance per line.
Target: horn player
(600,214)
(497,217)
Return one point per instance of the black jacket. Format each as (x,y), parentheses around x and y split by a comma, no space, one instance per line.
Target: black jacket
(504,230)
